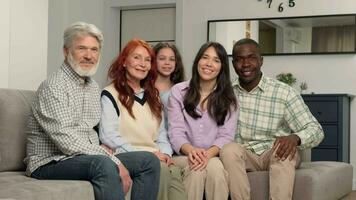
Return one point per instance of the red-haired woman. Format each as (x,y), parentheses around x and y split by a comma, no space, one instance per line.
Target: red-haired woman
(132,114)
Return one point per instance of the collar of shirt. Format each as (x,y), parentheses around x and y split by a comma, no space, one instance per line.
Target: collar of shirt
(262,85)
(140,93)
(74,76)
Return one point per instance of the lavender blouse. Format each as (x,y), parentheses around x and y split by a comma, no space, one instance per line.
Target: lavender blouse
(201,132)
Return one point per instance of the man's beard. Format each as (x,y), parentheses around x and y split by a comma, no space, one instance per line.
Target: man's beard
(81,71)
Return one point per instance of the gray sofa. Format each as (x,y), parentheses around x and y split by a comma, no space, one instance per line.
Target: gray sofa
(14,111)
(314,180)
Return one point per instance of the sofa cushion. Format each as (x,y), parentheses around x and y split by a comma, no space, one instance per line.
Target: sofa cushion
(15,185)
(15,106)
(319,180)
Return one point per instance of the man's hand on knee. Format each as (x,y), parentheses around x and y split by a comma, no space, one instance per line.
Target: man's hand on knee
(286,146)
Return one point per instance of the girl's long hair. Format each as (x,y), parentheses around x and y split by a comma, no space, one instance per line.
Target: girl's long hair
(222,99)
(117,73)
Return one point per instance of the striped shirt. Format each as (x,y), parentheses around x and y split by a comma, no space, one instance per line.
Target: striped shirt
(270,110)
(64,112)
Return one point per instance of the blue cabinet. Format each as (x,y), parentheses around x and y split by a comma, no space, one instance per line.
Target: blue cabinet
(333,113)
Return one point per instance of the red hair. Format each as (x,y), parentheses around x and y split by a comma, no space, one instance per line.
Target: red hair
(117,73)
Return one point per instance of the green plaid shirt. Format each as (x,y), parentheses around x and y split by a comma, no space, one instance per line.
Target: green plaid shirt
(270,110)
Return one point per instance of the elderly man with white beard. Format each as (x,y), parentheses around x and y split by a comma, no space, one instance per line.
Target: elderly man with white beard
(61,142)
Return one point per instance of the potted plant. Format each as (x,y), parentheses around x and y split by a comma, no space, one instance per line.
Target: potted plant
(287,78)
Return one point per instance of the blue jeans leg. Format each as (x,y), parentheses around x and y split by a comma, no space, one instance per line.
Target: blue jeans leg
(144,168)
(100,170)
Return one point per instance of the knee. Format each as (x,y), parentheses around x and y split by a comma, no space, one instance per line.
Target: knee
(217,176)
(293,162)
(151,162)
(232,151)
(216,170)
(103,165)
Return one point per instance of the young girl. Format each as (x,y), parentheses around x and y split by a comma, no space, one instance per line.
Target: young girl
(170,71)
(132,114)
(202,118)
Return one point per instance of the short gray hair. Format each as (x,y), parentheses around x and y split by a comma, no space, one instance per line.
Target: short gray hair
(81,29)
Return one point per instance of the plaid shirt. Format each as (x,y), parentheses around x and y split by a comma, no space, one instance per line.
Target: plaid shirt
(64,112)
(270,110)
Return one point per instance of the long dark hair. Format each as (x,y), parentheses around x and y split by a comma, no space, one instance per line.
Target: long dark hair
(177,75)
(222,99)
(117,73)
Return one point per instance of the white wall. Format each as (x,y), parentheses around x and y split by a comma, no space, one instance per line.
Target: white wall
(62,14)
(24,43)
(4,43)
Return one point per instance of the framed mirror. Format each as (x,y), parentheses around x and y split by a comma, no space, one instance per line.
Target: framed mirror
(331,34)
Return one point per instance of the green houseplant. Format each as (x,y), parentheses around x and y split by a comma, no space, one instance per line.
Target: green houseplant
(287,78)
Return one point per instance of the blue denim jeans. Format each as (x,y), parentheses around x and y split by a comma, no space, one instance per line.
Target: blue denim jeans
(103,173)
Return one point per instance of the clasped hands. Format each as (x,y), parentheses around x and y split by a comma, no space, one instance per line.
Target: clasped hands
(198,158)
(286,146)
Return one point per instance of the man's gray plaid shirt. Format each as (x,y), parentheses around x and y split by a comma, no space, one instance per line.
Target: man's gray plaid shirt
(64,112)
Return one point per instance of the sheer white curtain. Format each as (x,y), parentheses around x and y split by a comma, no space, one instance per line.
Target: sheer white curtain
(333,39)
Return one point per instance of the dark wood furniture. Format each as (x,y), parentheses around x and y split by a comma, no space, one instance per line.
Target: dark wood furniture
(333,113)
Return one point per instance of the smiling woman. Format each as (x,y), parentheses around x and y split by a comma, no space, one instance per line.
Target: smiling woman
(131,117)
(202,118)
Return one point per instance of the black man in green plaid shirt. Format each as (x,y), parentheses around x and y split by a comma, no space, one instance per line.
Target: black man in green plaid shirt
(273,124)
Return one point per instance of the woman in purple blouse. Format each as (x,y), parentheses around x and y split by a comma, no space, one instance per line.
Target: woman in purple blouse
(202,118)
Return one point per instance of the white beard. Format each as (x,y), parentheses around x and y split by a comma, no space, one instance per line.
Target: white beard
(79,70)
